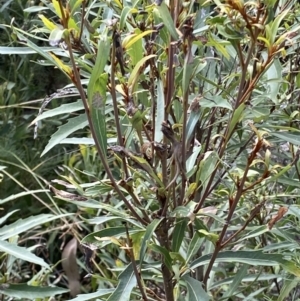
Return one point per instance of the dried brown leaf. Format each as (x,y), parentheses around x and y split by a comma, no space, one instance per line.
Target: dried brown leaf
(70,266)
(281,212)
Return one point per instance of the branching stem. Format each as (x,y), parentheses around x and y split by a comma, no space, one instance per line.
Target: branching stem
(102,156)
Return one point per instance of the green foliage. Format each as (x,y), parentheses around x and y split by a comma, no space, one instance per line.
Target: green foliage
(192,180)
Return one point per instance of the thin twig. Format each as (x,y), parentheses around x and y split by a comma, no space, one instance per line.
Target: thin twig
(82,20)
(135,269)
(115,104)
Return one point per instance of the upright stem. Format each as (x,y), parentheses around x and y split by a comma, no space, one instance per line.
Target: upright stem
(163,237)
(225,227)
(135,269)
(102,156)
(115,104)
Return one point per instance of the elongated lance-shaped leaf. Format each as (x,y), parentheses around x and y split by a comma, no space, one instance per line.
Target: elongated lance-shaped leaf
(237,115)
(65,130)
(27,50)
(207,166)
(273,27)
(40,50)
(147,237)
(132,39)
(111,234)
(160,109)
(127,282)
(97,93)
(23,225)
(48,23)
(254,258)
(93,296)
(167,19)
(192,120)
(21,253)
(242,272)
(142,163)
(178,233)
(194,246)
(5,217)
(24,291)
(97,110)
(165,253)
(125,11)
(136,70)
(187,71)
(285,136)
(195,289)
(63,109)
(289,283)
(21,194)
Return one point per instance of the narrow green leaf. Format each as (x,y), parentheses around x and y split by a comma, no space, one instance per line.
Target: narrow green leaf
(164,252)
(248,278)
(136,37)
(93,296)
(206,168)
(255,258)
(216,102)
(167,19)
(34,9)
(82,140)
(135,72)
(237,115)
(21,194)
(147,238)
(187,74)
(144,165)
(255,233)
(127,282)
(48,23)
(291,267)
(115,232)
(160,111)
(97,93)
(97,110)
(275,25)
(5,217)
(194,246)
(65,130)
(36,49)
(286,245)
(28,50)
(63,109)
(103,219)
(274,73)
(195,289)
(192,120)
(98,205)
(289,283)
(124,14)
(21,253)
(23,225)
(233,288)
(190,163)
(24,291)
(285,136)
(178,233)
(136,51)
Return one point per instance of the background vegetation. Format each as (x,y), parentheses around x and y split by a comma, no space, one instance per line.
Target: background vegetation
(166,165)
